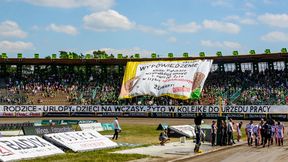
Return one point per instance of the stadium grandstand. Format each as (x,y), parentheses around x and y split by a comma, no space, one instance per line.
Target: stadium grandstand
(71,79)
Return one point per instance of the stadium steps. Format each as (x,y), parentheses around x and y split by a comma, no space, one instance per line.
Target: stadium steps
(59,99)
(2,83)
(234,96)
(3,92)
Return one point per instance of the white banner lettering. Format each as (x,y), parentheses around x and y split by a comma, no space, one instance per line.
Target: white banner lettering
(91,127)
(6,110)
(25,147)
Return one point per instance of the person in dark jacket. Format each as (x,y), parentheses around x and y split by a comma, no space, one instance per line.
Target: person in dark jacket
(198,120)
(213,132)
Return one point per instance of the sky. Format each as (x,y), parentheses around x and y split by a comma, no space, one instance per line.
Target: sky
(142,26)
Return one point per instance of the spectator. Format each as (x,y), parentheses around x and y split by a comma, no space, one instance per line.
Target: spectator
(239,133)
(249,132)
(230,131)
(223,133)
(268,87)
(163,137)
(198,121)
(213,132)
(117,128)
(280,133)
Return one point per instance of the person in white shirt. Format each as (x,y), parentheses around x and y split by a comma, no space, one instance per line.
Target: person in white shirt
(280,133)
(239,133)
(248,130)
(117,128)
(230,132)
(256,132)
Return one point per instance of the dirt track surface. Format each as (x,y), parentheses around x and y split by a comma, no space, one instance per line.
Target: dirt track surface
(245,154)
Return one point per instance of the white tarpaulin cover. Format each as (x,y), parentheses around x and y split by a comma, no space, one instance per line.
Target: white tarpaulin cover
(185,130)
(81,140)
(25,147)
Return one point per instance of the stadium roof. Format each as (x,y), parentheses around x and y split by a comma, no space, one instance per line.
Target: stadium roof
(115,61)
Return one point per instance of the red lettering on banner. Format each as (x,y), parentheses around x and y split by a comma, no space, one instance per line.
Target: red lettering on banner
(181,89)
(8,114)
(5,152)
(35,114)
(22,114)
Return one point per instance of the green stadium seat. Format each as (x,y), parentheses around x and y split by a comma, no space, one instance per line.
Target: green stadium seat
(219,53)
(202,54)
(185,55)
(235,53)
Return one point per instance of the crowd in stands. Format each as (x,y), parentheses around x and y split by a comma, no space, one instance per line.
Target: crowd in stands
(238,88)
(248,88)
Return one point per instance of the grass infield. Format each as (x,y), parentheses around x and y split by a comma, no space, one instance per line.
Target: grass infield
(100,155)
(134,134)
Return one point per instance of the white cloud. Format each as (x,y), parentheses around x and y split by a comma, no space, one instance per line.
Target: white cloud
(148,29)
(250,14)
(245,21)
(248,21)
(249,5)
(275,36)
(172,39)
(96,4)
(212,44)
(276,20)
(107,20)
(232,17)
(218,44)
(232,45)
(222,3)
(220,26)
(131,51)
(15,47)
(11,29)
(67,29)
(191,27)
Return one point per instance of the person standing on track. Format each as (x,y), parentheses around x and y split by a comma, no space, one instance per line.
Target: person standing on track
(256,134)
(198,121)
(273,135)
(280,133)
(213,132)
(224,133)
(239,133)
(248,131)
(230,131)
(262,131)
(117,128)
(267,132)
